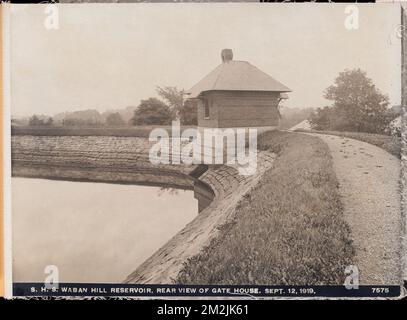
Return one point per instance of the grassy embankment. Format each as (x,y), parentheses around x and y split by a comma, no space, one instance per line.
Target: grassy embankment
(136,131)
(288,230)
(391,144)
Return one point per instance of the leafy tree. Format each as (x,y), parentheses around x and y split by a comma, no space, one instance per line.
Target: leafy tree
(185,111)
(357,105)
(114,119)
(321,118)
(188,114)
(152,112)
(173,97)
(35,121)
(49,122)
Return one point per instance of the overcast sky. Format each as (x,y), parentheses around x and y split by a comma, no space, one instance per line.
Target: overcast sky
(113,55)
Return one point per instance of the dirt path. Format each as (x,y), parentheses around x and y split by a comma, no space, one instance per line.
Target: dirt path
(369,187)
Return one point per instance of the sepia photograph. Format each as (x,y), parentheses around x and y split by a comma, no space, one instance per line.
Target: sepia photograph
(242,148)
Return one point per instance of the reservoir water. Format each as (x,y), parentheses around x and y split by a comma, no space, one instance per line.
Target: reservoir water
(93,232)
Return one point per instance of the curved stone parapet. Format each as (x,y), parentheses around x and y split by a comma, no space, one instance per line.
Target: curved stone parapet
(229,187)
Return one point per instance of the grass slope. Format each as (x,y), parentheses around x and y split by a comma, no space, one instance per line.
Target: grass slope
(288,230)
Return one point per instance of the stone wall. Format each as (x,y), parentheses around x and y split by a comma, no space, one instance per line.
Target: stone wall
(92,158)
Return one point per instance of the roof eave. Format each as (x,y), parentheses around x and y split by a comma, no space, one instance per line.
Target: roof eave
(197,96)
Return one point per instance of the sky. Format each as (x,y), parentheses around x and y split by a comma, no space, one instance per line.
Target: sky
(110,56)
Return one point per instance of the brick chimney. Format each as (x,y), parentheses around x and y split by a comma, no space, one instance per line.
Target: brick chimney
(227,55)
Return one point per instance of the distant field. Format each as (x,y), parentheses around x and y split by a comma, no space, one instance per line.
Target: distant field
(136,131)
(389,143)
(288,230)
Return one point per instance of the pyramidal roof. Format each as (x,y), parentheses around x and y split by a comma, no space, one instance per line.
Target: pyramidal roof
(232,75)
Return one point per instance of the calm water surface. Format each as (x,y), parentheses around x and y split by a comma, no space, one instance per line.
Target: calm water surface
(93,232)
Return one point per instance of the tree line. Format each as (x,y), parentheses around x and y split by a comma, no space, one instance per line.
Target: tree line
(357,105)
(151,111)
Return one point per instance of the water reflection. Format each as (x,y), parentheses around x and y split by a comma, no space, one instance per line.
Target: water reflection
(202,192)
(163,190)
(94,232)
